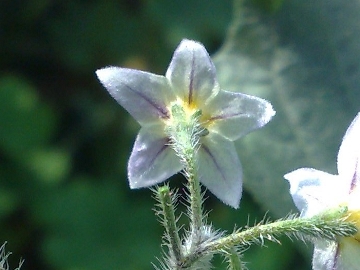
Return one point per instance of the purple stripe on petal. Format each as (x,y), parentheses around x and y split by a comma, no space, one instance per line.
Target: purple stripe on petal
(191,84)
(162,111)
(354,178)
(162,149)
(151,161)
(225,116)
(206,149)
(336,257)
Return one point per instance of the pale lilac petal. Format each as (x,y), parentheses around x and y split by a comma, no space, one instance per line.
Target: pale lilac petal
(152,161)
(326,255)
(234,114)
(329,255)
(349,251)
(314,191)
(220,169)
(192,74)
(144,95)
(349,155)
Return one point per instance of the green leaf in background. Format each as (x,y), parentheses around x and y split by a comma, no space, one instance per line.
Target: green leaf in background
(201,19)
(27,126)
(87,228)
(305,60)
(26,122)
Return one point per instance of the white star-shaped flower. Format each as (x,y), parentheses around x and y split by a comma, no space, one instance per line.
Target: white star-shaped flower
(315,191)
(190,82)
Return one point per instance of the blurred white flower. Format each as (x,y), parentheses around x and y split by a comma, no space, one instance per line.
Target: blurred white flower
(190,82)
(315,191)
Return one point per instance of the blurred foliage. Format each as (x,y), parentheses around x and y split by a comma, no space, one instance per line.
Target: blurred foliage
(64,143)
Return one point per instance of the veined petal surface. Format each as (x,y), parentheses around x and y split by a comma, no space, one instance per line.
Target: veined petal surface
(349,155)
(220,169)
(192,74)
(144,95)
(314,191)
(234,114)
(348,258)
(152,160)
(325,255)
(337,256)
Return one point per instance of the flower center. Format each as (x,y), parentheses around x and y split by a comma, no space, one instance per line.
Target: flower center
(186,116)
(184,129)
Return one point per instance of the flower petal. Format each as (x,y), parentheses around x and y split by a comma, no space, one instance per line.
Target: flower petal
(349,155)
(325,255)
(234,114)
(337,256)
(220,169)
(349,258)
(314,191)
(152,161)
(143,95)
(192,73)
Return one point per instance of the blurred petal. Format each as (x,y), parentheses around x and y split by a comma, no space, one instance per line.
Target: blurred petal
(349,155)
(234,114)
(191,73)
(326,254)
(314,191)
(349,258)
(337,256)
(152,161)
(143,95)
(220,169)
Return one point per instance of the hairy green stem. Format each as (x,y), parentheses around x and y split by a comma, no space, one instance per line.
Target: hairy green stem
(314,227)
(184,132)
(234,259)
(196,213)
(169,221)
(329,225)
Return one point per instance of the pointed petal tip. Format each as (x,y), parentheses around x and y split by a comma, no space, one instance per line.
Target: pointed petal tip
(103,75)
(235,204)
(349,153)
(100,73)
(289,176)
(189,43)
(135,184)
(269,113)
(301,174)
(233,201)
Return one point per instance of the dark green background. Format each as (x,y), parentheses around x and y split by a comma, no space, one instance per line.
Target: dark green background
(64,142)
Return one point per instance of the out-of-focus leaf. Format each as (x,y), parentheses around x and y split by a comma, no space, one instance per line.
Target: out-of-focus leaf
(89,227)
(8,201)
(26,129)
(81,34)
(49,165)
(188,19)
(26,122)
(305,60)
(268,5)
